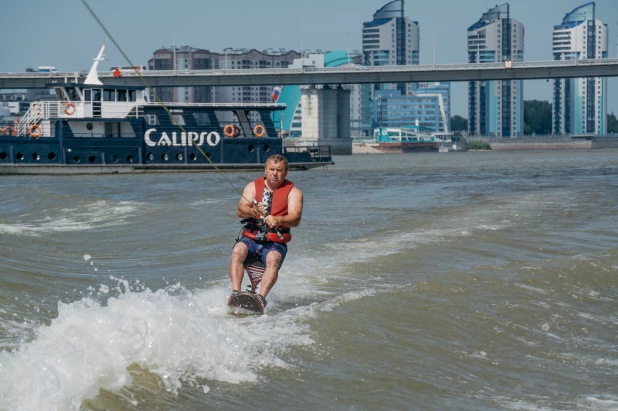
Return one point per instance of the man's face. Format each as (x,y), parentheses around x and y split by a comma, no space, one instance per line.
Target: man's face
(275,173)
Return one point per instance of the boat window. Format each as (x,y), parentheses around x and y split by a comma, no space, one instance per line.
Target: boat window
(88,95)
(97,94)
(178,120)
(109,95)
(201,119)
(131,95)
(122,95)
(72,94)
(112,129)
(224,117)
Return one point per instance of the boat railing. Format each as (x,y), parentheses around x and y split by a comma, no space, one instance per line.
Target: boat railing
(46,110)
(76,109)
(32,117)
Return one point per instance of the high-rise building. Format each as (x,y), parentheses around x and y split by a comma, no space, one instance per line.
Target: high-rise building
(580,104)
(390,38)
(495,108)
(183,58)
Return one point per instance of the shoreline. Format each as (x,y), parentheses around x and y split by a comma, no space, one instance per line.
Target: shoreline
(507,144)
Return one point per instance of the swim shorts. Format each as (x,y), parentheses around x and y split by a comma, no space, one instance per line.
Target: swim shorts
(258,251)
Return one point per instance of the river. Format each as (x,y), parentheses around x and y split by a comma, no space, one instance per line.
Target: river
(459,281)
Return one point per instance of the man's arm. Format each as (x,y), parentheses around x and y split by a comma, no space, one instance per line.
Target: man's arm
(295,211)
(245,205)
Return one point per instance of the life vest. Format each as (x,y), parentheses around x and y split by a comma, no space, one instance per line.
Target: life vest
(278,207)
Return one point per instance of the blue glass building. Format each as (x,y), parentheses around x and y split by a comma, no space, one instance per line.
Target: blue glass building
(392,109)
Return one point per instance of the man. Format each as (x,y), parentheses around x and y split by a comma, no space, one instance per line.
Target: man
(264,237)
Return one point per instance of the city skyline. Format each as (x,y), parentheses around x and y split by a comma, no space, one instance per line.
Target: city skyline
(140,27)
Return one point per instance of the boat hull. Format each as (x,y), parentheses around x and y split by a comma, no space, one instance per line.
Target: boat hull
(60,169)
(68,154)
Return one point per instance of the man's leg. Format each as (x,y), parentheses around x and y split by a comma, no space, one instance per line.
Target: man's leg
(237,271)
(271,273)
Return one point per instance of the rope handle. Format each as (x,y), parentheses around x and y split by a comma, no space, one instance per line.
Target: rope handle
(255,203)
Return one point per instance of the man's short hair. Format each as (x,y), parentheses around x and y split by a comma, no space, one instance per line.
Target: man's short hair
(276,158)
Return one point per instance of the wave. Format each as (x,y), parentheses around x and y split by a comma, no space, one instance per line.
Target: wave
(82,218)
(181,337)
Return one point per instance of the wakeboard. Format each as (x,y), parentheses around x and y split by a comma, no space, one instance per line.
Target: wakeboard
(247,301)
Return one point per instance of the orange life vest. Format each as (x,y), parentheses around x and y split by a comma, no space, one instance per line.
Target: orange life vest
(278,207)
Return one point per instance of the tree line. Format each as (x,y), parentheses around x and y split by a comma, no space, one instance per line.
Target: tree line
(537,119)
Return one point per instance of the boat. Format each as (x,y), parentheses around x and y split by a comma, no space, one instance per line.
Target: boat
(403,140)
(96,128)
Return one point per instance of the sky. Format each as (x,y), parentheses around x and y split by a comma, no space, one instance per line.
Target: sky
(62,33)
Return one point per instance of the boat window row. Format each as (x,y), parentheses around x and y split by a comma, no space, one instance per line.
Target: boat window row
(102,157)
(110,95)
(200,119)
(21,156)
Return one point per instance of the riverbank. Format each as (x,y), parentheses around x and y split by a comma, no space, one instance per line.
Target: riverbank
(550,143)
(509,144)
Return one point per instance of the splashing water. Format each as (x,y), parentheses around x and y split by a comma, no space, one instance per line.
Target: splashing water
(172,333)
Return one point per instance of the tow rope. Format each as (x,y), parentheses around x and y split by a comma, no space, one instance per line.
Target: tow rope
(154,93)
(156,96)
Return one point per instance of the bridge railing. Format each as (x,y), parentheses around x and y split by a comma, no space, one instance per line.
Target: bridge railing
(326,70)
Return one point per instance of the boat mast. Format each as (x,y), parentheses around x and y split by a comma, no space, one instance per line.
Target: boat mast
(93,76)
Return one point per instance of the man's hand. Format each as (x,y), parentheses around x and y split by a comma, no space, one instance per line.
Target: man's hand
(260,210)
(271,221)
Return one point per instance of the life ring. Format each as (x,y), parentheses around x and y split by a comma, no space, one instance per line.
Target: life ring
(228,130)
(69,108)
(34,130)
(259,130)
(7,131)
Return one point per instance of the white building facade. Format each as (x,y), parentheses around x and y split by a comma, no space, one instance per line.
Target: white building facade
(389,39)
(580,104)
(495,108)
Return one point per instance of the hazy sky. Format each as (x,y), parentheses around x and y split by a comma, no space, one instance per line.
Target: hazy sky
(62,32)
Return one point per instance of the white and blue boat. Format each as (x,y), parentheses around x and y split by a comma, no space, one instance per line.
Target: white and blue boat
(403,140)
(97,128)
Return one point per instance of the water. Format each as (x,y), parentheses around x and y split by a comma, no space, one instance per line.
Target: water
(471,281)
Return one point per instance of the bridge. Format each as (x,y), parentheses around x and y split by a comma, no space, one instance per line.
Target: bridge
(332,75)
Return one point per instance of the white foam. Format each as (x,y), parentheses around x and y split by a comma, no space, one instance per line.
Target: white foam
(85,217)
(179,336)
(605,403)
(606,361)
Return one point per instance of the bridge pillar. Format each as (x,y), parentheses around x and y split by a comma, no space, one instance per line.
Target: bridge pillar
(326,117)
